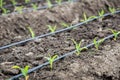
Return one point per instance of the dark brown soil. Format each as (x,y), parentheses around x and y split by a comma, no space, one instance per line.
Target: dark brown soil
(103,64)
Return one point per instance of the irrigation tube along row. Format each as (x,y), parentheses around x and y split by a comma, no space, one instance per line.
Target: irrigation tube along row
(59,31)
(40,8)
(63,56)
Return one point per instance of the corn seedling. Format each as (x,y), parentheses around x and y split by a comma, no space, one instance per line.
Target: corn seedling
(112,10)
(13,2)
(101,14)
(49,3)
(1,3)
(52,28)
(87,18)
(78,47)
(5,11)
(58,2)
(51,60)
(34,6)
(19,9)
(97,43)
(31,32)
(24,71)
(27,1)
(115,33)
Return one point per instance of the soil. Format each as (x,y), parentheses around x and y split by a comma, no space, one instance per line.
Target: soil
(102,64)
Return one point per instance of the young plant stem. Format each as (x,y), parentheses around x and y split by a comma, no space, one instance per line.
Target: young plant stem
(24,71)
(115,33)
(52,28)
(97,43)
(51,60)
(78,47)
(31,32)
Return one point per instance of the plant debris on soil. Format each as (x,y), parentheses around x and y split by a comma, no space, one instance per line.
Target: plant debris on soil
(92,64)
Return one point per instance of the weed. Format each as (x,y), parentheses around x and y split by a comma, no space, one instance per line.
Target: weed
(97,43)
(27,1)
(19,9)
(115,33)
(51,60)
(31,32)
(24,71)
(58,2)
(13,2)
(49,3)
(87,18)
(34,6)
(78,47)
(112,10)
(52,28)
(1,3)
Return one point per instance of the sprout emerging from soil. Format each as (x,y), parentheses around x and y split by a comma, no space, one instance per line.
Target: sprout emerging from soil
(31,32)
(78,47)
(34,6)
(51,60)
(101,14)
(115,33)
(1,3)
(27,1)
(58,2)
(13,2)
(112,10)
(19,9)
(24,71)
(97,43)
(52,28)
(87,18)
(49,3)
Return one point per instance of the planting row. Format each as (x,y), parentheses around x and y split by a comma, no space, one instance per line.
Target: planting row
(20,8)
(52,58)
(52,29)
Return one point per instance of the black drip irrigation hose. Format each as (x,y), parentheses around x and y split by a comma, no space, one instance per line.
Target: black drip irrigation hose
(41,8)
(63,56)
(59,31)
(33,1)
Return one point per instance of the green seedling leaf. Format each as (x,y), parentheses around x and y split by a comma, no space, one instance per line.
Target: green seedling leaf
(101,14)
(97,43)
(112,10)
(49,3)
(87,18)
(65,25)
(24,71)
(13,2)
(19,9)
(35,7)
(27,1)
(5,11)
(115,33)
(31,32)
(78,47)
(1,3)
(58,2)
(51,60)
(52,28)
